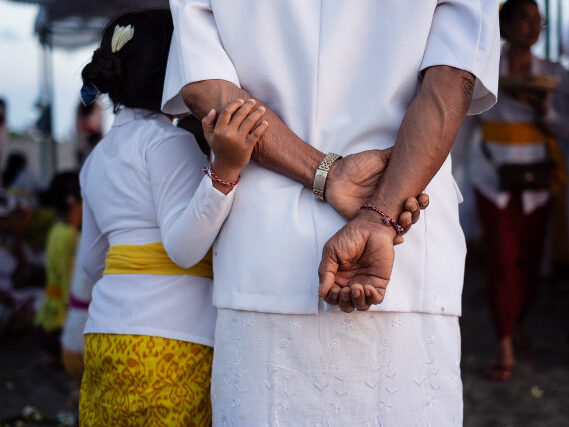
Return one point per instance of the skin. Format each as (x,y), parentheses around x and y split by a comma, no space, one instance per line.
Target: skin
(351,180)
(357,261)
(232,135)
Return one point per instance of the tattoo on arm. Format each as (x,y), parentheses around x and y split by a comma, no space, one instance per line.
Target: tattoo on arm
(468,87)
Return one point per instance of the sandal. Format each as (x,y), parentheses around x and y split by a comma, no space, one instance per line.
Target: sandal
(499,372)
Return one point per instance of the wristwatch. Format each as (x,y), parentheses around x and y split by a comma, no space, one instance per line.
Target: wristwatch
(322,173)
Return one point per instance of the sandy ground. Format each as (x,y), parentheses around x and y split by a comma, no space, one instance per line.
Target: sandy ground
(538,394)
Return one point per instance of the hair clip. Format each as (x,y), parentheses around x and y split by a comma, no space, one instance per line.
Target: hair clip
(121,36)
(89,93)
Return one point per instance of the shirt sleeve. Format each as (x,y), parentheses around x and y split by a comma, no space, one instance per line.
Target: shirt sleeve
(93,246)
(190,211)
(196,52)
(465,34)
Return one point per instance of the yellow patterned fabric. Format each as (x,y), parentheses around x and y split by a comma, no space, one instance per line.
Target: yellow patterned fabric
(136,380)
(151,259)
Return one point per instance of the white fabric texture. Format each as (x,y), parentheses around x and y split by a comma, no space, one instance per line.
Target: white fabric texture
(143,183)
(484,176)
(81,288)
(268,366)
(341,75)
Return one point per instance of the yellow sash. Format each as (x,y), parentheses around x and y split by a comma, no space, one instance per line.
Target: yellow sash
(151,259)
(528,133)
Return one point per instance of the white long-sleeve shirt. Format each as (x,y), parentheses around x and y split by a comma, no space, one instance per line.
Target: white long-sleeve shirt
(341,75)
(143,183)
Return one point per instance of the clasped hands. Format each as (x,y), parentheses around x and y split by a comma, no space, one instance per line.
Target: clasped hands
(357,261)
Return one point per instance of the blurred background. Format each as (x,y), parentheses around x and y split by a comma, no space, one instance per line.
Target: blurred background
(44,131)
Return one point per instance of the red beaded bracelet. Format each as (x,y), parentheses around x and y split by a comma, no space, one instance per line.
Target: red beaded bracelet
(211,173)
(387,220)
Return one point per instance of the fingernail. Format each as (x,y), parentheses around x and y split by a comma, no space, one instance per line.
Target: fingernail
(240,100)
(261,108)
(368,293)
(356,293)
(266,123)
(251,100)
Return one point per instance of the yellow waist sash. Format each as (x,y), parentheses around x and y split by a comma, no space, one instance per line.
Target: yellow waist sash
(527,133)
(151,259)
(513,133)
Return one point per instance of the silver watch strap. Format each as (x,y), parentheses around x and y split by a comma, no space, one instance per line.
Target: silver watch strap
(322,173)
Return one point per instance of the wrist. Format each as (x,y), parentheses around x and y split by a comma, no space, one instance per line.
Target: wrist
(224,171)
(376,223)
(321,175)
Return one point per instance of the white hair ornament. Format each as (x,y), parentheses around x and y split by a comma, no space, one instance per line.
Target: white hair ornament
(121,36)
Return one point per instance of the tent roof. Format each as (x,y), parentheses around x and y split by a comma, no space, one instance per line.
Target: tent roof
(76,23)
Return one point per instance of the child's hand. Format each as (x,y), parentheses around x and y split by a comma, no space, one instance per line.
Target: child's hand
(234,135)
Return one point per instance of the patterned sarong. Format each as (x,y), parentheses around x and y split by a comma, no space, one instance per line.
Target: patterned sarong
(136,380)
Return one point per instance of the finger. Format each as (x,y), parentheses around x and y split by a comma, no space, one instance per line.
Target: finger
(208,122)
(242,113)
(333,297)
(327,271)
(228,111)
(386,154)
(412,205)
(406,221)
(345,301)
(251,120)
(373,296)
(398,240)
(359,298)
(254,136)
(423,200)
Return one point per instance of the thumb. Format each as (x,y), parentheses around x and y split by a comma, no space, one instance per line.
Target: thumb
(385,155)
(327,272)
(208,123)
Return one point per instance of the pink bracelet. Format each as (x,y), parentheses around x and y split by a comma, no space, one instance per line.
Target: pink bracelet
(211,173)
(387,220)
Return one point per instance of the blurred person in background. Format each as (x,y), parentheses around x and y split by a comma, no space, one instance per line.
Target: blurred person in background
(516,168)
(19,179)
(61,244)
(89,128)
(3,129)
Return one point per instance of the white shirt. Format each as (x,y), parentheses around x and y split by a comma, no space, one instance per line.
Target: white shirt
(484,176)
(143,183)
(341,75)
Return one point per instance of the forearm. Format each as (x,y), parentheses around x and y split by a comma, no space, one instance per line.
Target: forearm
(425,137)
(279,150)
(188,236)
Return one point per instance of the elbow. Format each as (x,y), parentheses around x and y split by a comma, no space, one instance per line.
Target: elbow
(200,97)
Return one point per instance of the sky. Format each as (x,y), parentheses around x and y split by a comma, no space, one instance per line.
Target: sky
(20,57)
(20,60)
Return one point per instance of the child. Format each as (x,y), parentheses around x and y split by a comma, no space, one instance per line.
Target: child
(65,196)
(150,215)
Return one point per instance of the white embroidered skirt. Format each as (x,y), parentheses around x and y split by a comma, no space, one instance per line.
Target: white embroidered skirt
(336,369)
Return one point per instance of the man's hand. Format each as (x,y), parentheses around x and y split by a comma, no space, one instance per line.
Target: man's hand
(356,263)
(353,179)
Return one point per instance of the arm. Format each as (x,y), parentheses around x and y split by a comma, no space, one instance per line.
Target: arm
(191,218)
(357,261)
(93,246)
(351,180)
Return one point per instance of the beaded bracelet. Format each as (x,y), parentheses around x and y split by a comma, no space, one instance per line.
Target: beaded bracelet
(211,173)
(387,220)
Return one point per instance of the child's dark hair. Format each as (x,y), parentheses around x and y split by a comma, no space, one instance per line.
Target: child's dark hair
(134,75)
(62,186)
